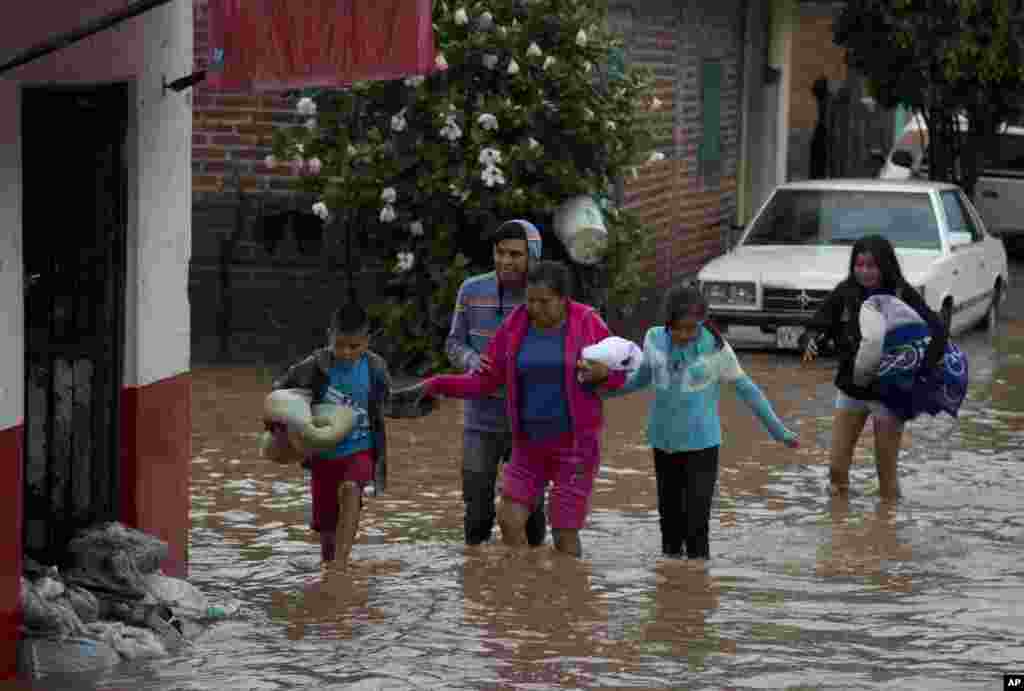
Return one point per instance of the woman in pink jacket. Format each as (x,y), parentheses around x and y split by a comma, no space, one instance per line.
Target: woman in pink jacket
(552,402)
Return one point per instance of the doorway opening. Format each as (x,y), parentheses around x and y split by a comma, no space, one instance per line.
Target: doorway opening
(74,229)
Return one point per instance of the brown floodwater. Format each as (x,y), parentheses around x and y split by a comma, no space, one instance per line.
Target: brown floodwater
(800,593)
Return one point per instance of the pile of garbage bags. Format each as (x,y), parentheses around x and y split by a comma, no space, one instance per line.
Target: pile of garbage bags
(112,604)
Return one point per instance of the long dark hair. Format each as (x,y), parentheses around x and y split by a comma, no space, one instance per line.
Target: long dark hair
(885,256)
(685,301)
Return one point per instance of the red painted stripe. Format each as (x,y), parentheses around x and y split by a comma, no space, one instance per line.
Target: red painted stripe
(10,550)
(156,457)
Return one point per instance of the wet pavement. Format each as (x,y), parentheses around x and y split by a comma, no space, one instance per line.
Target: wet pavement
(800,593)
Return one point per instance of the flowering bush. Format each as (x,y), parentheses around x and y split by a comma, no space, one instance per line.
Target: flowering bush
(526,108)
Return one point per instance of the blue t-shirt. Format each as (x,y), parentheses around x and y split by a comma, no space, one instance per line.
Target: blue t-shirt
(349,384)
(543,407)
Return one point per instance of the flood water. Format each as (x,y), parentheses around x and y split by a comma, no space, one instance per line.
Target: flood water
(799,594)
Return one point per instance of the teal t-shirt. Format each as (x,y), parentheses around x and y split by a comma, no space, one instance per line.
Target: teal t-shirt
(349,384)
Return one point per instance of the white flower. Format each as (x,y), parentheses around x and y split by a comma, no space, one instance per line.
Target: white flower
(415,81)
(387,214)
(311,124)
(306,106)
(486,20)
(416,228)
(388,195)
(451,130)
(440,62)
(406,260)
(548,62)
(581,38)
(490,157)
(513,67)
(611,126)
(519,192)
(314,165)
(492,176)
(488,121)
(533,143)
(502,31)
(351,150)
(398,122)
(320,209)
(300,148)
(461,18)
(656,157)
(588,114)
(534,51)
(490,61)
(270,162)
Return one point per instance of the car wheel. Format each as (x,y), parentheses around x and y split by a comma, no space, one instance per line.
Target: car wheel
(991,320)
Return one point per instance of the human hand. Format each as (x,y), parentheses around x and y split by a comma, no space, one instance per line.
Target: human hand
(484,366)
(411,401)
(591,371)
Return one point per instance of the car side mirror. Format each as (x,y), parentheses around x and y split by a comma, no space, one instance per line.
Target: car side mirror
(735,233)
(902,158)
(959,239)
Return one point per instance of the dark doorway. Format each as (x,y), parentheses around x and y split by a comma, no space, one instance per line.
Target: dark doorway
(73,211)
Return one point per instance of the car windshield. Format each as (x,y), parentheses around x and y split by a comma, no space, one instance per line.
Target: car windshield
(841,217)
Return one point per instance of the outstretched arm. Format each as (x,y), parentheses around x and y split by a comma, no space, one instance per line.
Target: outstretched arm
(751,394)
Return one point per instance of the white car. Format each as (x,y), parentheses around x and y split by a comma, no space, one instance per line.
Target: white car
(765,290)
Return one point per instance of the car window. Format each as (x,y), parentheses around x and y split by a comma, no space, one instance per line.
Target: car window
(841,217)
(960,221)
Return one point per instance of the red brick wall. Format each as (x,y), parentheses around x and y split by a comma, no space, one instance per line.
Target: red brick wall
(230,130)
(814,55)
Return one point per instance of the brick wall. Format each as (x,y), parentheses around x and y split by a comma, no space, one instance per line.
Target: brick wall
(815,55)
(685,211)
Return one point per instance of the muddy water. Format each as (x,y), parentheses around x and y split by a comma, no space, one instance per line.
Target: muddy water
(800,593)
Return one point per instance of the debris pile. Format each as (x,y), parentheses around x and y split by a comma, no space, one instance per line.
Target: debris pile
(112,604)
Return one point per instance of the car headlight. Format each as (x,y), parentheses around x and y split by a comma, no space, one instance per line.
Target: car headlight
(730,294)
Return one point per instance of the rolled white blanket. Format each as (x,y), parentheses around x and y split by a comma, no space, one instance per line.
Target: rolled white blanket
(302,429)
(618,354)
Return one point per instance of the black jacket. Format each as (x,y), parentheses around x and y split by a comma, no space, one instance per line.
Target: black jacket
(312,373)
(838,321)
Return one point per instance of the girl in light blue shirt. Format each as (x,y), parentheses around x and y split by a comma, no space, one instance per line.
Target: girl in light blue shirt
(687,360)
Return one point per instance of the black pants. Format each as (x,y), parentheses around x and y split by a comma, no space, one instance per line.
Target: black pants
(686,483)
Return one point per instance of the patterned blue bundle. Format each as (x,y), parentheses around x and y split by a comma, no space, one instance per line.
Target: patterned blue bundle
(907,390)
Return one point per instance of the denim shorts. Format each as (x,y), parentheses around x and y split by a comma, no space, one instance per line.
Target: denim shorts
(876,408)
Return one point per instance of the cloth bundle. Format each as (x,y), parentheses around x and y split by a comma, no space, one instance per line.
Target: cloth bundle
(618,354)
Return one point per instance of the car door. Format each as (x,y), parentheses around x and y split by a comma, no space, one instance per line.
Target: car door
(966,242)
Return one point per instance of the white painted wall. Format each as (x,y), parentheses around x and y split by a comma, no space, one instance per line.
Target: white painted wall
(12,341)
(158,312)
(141,50)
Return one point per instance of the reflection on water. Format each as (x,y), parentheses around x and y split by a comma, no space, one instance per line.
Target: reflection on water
(801,592)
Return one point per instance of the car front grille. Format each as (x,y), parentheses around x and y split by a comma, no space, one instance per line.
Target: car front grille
(793,300)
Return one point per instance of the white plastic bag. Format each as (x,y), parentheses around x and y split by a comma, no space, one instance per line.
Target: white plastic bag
(184,599)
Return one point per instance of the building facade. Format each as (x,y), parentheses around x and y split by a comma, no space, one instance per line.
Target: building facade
(95,199)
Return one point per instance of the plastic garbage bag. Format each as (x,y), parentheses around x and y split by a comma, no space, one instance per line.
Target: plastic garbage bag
(136,643)
(48,588)
(43,657)
(184,599)
(54,616)
(94,547)
(84,603)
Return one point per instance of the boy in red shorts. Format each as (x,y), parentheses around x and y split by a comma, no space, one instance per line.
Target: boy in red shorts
(348,373)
